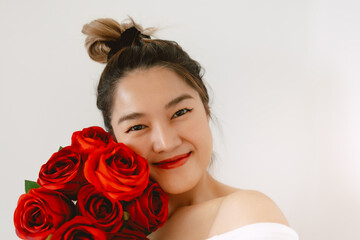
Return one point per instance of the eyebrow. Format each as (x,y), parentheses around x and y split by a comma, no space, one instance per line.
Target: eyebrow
(136,115)
(177,100)
(130,116)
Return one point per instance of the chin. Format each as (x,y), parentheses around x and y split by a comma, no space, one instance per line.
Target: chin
(179,186)
(180,180)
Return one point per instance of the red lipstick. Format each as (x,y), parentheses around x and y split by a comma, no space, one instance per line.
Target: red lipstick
(173,162)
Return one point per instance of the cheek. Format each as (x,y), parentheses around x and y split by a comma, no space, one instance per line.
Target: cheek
(198,132)
(201,125)
(138,145)
(142,151)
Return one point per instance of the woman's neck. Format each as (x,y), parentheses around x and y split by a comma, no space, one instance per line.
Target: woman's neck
(208,188)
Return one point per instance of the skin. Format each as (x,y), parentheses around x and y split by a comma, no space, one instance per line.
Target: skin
(158,115)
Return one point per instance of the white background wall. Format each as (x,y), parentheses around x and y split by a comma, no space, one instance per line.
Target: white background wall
(285,83)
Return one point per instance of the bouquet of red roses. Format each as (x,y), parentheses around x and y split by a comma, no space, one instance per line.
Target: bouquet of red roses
(93,189)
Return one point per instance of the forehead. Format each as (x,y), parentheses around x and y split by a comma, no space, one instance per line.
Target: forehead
(141,89)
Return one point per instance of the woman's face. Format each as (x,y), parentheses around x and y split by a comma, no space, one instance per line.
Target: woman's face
(162,118)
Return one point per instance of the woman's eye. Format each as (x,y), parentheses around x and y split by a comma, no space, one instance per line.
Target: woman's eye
(181,112)
(135,128)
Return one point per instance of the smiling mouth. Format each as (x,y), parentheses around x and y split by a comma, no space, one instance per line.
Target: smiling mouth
(173,162)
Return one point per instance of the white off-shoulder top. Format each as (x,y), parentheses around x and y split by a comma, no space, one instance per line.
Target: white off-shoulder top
(259,231)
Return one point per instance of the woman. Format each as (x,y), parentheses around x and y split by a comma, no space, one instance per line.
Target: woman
(153,99)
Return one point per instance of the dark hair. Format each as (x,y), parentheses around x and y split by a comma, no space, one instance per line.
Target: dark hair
(141,53)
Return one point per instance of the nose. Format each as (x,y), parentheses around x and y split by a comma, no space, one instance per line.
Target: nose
(165,138)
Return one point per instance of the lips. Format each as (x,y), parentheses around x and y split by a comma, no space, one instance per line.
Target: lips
(173,162)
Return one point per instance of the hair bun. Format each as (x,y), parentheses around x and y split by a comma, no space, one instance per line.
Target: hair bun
(102,33)
(129,37)
(98,32)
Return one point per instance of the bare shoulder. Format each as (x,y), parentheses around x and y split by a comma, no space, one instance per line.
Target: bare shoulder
(245,207)
(254,205)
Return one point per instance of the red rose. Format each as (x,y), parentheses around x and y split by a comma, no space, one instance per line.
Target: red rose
(149,211)
(79,228)
(63,172)
(117,171)
(40,212)
(90,139)
(100,210)
(128,234)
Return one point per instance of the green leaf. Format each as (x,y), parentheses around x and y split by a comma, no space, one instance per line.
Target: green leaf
(49,237)
(126,215)
(30,185)
(60,148)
